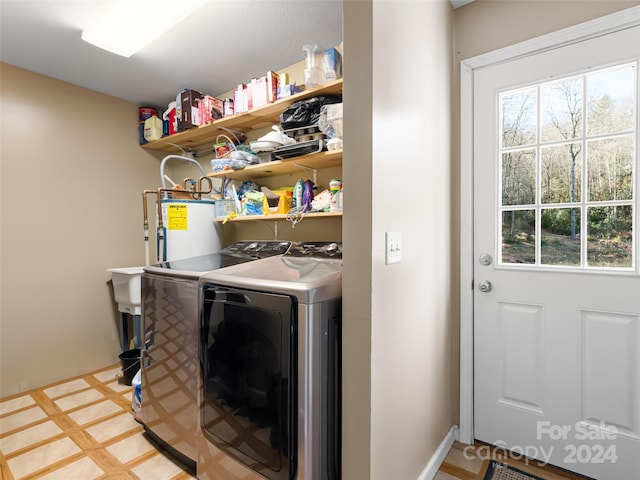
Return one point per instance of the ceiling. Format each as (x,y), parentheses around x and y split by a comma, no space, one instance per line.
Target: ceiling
(220,45)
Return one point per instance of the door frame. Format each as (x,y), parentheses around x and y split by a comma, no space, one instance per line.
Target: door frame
(584,31)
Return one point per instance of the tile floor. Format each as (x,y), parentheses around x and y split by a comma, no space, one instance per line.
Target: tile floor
(79,429)
(83,429)
(470,462)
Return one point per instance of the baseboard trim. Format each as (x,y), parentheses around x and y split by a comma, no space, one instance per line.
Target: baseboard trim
(439,455)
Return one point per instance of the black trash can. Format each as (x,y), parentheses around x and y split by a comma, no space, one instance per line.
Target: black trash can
(130,361)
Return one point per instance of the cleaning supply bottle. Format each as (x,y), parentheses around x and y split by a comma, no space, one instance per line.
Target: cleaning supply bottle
(298,193)
(314,65)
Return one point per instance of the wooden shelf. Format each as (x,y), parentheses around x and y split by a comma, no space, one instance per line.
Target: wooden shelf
(243,122)
(258,117)
(272,218)
(282,167)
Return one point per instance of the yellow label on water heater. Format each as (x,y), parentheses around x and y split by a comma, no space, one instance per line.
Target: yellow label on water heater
(177,216)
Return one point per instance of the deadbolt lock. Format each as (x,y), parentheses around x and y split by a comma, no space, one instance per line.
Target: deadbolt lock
(485,259)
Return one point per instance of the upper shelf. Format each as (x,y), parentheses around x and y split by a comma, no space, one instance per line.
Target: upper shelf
(320,160)
(258,117)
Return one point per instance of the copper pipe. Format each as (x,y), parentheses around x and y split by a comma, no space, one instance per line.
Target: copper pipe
(145,224)
(196,194)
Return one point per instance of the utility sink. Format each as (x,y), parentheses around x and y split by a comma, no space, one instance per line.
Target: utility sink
(127,289)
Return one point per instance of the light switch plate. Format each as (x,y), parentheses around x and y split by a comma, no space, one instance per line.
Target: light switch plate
(393,247)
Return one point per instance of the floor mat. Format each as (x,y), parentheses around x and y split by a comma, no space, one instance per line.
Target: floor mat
(500,471)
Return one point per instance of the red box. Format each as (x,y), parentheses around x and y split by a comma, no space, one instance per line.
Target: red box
(210,109)
(272,86)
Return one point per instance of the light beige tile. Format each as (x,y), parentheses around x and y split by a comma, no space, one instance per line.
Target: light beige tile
(20,419)
(94,412)
(79,399)
(67,387)
(107,375)
(158,467)
(7,406)
(118,387)
(444,476)
(84,468)
(39,458)
(128,396)
(130,448)
(113,427)
(468,459)
(29,436)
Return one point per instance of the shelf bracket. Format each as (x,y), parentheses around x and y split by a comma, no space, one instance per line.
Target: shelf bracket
(313,170)
(185,151)
(274,229)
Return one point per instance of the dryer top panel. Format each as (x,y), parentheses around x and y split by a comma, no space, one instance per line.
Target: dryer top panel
(309,279)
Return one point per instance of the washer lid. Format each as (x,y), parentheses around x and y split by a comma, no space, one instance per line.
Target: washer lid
(310,280)
(193,267)
(234,254)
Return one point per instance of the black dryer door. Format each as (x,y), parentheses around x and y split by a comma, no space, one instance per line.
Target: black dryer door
(248,344)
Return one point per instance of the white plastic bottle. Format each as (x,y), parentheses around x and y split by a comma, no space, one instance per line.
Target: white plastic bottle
(314,70)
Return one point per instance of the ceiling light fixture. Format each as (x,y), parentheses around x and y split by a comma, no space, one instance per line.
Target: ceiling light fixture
(131,25)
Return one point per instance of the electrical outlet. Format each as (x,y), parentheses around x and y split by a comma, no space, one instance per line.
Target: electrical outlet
(393,247)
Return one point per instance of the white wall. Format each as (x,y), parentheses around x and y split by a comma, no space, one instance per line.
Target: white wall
(71,207)
(405,177)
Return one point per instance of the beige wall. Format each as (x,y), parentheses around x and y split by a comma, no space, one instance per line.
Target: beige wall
(401,161)
(72,176)
(357,227)
(486,25)
(411,404)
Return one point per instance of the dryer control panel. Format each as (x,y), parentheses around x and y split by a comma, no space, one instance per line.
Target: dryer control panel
(257,248)
(317,250)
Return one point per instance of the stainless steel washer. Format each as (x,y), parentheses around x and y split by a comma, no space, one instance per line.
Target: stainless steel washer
(170,353)
(271,361)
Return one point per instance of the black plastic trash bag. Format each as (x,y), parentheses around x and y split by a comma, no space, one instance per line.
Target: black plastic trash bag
(306,112)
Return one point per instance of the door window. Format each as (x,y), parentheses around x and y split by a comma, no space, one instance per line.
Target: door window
(567,157)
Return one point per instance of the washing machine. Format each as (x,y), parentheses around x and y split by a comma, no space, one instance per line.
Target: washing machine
(170,320)
(270,346)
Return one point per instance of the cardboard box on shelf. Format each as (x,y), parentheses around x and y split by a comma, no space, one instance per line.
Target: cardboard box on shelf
(272,86)
(259,92)
(210,109)
(240,98)
(332,64)
(189,100)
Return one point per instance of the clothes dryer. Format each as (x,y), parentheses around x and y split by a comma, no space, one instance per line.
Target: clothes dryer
(270,346)
(170,354)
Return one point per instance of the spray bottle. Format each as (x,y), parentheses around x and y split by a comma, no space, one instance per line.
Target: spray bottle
(314,65)
(298,193)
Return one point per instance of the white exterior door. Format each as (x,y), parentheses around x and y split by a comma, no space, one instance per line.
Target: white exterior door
(556,267)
